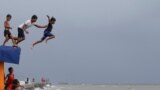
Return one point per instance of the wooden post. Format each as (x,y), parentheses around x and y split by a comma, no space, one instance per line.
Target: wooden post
(1,75)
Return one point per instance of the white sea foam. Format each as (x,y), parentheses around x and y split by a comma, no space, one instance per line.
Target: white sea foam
(37,89)
(100,87)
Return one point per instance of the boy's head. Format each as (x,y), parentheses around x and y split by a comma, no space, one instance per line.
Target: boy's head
(10,69)
(52,20)
(8,17)
(15,84)
(34,18)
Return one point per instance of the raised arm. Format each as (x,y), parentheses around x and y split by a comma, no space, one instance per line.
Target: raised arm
(45,26)
(48,18)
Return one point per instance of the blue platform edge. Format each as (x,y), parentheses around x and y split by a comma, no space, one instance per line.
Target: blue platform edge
(10,54)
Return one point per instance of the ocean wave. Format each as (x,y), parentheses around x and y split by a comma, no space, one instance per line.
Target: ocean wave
(40,86)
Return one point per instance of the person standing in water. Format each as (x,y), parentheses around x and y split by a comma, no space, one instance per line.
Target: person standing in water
(9,79)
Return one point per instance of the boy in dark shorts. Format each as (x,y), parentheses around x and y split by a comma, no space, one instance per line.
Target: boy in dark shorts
(24,26)
(7,33)
(47,32)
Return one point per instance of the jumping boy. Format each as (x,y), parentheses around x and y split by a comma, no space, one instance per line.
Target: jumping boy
(9,79)
(47,32)
(7,33)
(24,26)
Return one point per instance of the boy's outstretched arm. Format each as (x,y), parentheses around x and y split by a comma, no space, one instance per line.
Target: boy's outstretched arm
(39,26)
(45,26)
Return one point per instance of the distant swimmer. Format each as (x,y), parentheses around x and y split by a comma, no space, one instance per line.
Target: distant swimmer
(7,28)
(47,35)
(24,26)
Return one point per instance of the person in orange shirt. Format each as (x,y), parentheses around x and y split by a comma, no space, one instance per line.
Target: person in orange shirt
(9,79)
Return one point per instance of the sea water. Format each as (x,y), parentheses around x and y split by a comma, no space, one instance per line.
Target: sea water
(101,87)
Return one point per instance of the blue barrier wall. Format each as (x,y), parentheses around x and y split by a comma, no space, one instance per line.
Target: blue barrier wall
(10,54)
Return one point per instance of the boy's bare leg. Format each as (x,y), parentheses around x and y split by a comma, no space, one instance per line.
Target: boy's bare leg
(15,38)
(51,37)
(19,40)
(14,41)
(37,43)
(6,40)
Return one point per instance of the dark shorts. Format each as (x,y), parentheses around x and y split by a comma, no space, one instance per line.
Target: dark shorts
(46,34)
(21,33)
(7,33)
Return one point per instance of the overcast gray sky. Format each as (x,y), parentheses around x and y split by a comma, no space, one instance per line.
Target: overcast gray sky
(97,41)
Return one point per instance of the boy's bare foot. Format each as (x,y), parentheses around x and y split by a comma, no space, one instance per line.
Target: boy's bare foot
(32,46)
(46,41)
(15,46)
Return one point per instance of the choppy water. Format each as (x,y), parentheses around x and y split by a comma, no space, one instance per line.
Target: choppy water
(102,87)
